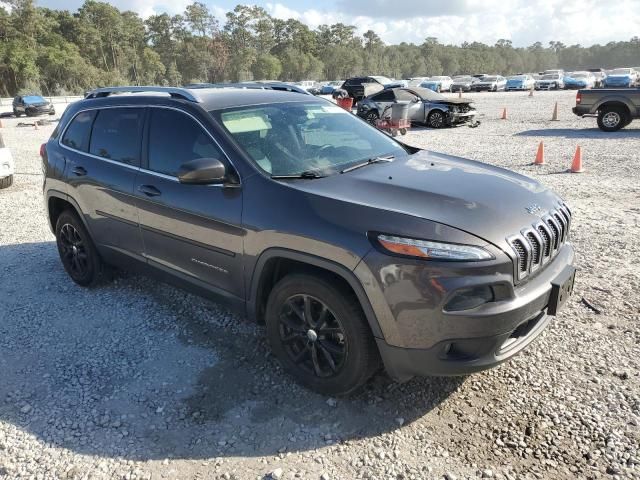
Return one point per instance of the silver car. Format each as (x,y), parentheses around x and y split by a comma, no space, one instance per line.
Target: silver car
(425,107)
(490,83)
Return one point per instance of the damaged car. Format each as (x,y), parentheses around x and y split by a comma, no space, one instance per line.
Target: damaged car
(426,107)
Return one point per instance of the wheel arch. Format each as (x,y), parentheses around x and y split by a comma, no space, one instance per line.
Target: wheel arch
(274,263)
(614,102)
(58,202)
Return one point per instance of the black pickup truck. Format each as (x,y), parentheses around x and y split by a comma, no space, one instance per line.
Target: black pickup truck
(614,107)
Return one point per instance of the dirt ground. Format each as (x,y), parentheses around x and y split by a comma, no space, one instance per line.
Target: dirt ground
(138,380)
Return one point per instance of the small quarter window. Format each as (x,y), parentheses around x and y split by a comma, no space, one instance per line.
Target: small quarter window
(116,134)
(77,134)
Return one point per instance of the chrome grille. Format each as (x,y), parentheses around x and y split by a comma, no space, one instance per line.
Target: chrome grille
(536,245)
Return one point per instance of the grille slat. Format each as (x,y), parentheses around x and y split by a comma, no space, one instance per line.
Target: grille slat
(536,246)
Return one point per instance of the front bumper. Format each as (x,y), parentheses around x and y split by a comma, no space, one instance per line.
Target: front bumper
(40,110)
(424,339)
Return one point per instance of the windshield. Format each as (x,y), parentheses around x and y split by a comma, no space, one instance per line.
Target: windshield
(382,80)
(550,77)
(517,77)
(296,137)
(578,75)
(620,71)
(438,78)
(427,94)
(462,79)
(489,79)
(33,99)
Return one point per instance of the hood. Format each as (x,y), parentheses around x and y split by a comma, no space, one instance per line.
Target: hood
(455,101)
(486,201)
(626,76)
(486,82)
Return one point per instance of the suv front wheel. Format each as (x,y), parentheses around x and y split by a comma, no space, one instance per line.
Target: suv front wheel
(320,335)
(77,251)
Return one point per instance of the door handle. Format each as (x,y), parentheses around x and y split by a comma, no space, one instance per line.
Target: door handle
(79,171)
(149,190)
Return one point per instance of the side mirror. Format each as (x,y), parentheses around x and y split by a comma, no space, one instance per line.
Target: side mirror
(202,171)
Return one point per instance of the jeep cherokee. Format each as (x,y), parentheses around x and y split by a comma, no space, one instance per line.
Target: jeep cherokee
(354,250)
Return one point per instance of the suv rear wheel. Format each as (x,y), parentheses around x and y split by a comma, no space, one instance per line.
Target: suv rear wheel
(6,182)
(320,335)
(77,251)
(611,118)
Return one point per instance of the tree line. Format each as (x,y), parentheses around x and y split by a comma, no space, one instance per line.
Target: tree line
(59,52)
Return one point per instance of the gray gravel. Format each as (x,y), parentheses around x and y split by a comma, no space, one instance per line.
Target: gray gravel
(137,380)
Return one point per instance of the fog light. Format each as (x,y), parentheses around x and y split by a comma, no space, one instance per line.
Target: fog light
(468,298)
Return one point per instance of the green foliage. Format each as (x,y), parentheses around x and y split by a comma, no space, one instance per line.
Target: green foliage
(61,52)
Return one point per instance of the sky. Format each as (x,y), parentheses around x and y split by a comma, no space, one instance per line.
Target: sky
(584,22)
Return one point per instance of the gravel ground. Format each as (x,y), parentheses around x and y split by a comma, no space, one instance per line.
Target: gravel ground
(137,380)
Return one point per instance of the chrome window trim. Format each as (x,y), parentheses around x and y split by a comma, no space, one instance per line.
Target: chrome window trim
(139,168)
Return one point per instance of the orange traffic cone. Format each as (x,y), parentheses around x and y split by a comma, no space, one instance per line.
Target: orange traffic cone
(35,125)
(540,155)
(554,118)
(531,92)
(576,165)
(504,114)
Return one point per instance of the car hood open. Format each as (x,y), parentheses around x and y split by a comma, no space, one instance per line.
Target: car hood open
(486,201)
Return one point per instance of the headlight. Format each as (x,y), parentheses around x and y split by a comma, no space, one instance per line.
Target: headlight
(433,250)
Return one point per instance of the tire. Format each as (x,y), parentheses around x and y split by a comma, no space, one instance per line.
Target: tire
(436,119)
(611,118)
(6,182)
(345,355)
(77,251)
(403,131)
(371,117)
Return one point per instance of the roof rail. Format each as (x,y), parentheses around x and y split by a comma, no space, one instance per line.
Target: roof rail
(174,92)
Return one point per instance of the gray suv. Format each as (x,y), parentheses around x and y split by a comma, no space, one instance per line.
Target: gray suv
(357,252)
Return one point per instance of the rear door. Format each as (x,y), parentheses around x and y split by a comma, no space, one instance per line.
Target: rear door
(102,151)
(191,231)
(384,100)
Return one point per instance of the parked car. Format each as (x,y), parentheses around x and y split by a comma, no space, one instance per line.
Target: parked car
(557,71)
(621,77)
(462,82)
(369,253)
(32,105)
(328,88)
(360,87)
(520,82)
(438,84)
(490,83)
(259,85)
(550,81)
(7,165)
(615,108)
(599,75)
(306,84)
(390,83)
(577,80)
(426,107)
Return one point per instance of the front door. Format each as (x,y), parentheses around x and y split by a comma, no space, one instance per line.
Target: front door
(192,231)
(102,153)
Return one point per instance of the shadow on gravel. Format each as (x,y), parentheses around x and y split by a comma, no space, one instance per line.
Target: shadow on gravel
(137,369)
(580,133)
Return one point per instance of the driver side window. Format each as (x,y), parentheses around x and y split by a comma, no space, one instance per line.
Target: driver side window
(175,138)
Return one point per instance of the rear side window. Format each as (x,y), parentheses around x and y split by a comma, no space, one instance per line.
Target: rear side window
(116,134)
(77,134)
(384,96)
(175,138)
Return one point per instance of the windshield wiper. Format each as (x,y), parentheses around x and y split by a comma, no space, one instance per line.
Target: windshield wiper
(309,174)
(370,161)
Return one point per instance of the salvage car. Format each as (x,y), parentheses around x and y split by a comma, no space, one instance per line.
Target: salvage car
(550,81)
(577,80)
(438,84)
(520,82)
(490,83)
(426,107)
(462,82)
(32,105)
(369,253)
(329,87)
(621,77)
(360,87)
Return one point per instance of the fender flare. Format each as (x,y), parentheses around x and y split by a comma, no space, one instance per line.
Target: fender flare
(63,196)
(340,270)
(614,99)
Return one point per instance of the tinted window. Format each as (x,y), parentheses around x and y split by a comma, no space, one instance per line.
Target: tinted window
(116,134)
(175,138)
(384,96)
(77,134)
